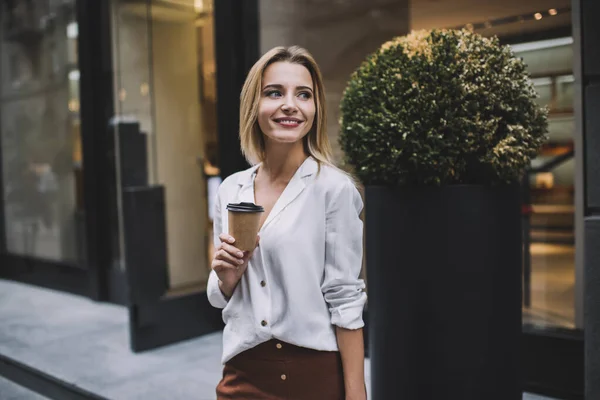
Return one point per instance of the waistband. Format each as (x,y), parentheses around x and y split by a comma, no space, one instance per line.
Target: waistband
(277,350)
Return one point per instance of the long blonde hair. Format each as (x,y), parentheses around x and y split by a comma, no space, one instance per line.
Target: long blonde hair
(316,142)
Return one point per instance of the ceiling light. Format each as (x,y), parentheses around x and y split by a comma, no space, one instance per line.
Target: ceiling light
(543,44)
(74,75)
(537,16)
(72,30)
(552,11)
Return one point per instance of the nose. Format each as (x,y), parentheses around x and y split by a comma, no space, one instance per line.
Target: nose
(289,105)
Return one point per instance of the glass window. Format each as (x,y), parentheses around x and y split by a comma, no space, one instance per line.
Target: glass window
(550,258)
(40,130)
(165,63)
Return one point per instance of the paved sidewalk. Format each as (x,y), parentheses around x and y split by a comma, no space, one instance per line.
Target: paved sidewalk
(86,344)
(11,391)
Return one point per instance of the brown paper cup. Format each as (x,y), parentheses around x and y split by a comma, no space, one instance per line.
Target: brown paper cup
(244,219)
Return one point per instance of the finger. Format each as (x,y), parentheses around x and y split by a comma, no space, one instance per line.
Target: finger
(234,251)
(226,238)
(225,256)
(221,265)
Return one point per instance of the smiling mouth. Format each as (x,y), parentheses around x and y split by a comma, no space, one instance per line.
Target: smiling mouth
(288,122)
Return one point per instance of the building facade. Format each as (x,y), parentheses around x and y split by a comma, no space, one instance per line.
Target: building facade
(118,120)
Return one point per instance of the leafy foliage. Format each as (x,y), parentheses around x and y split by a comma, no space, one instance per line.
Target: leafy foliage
(441,107)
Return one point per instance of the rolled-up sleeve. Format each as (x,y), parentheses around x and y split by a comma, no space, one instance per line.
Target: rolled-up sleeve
(215,296)
(342,288)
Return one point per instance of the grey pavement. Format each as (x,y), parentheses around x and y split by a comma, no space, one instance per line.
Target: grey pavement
(86,344)
(12,391)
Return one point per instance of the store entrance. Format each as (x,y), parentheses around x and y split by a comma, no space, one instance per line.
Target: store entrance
(166,131)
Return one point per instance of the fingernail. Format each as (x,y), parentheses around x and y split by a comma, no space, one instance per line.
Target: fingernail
(240,254)
(240,261)
(231,240)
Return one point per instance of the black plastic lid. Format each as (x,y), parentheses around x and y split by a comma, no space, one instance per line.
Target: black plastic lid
(244,207)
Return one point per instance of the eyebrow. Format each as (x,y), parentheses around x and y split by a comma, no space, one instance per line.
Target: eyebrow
(277,86)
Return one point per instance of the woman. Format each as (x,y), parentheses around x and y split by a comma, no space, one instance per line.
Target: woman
(292,307)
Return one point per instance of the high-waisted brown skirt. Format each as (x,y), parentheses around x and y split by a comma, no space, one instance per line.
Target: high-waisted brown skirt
(276,370)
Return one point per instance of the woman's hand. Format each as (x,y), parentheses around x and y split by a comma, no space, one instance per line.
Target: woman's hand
(230,263)
(359,394)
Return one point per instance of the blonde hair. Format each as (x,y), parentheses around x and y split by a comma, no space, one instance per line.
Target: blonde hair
(316,142)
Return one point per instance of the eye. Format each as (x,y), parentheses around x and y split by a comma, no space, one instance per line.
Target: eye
(305,95)
(274,94)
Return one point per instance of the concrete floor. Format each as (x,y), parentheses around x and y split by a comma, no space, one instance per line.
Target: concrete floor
(552,285)
(11,391)
(86,344)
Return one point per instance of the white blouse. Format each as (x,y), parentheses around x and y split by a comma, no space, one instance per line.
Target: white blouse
(304,276)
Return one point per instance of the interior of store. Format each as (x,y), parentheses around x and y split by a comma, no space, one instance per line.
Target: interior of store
(166,82)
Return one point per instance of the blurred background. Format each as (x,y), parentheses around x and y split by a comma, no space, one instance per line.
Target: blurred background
(74,76)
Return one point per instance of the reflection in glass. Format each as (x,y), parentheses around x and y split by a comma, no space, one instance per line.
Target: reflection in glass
(39,114)
(164,55)
(549,297)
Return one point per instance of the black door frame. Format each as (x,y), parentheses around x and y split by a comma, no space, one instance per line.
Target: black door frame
(237,47)
(553,362)
(97,108)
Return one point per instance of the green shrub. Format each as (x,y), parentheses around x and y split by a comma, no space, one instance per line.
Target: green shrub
(441,107)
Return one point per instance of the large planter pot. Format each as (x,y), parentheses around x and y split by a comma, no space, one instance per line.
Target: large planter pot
(444,284)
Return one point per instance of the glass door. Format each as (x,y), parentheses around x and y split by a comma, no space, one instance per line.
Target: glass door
(166,130)
(552,294)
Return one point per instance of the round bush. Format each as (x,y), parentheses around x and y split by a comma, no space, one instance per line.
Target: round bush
(441,107)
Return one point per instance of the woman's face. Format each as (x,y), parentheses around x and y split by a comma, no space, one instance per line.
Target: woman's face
(286,110)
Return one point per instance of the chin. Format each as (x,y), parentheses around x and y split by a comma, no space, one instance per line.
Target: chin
(285,138)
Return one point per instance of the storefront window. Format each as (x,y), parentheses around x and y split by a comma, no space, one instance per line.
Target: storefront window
(165,82)
(540,34)
(40,130)
(549,268)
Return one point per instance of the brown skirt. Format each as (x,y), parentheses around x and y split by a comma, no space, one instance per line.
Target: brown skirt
(276,370)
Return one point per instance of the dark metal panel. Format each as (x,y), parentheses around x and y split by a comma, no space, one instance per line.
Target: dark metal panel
(587,41)
(133,155)
(590,9)
(95,64)
(592,307)
(553,362)
(591,100)
(236,44)
(3,243)
(171,320)
(145,232)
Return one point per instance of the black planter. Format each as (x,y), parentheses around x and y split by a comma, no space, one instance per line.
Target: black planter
(444,284)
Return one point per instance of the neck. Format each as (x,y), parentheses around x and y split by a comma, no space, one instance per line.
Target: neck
(282,160)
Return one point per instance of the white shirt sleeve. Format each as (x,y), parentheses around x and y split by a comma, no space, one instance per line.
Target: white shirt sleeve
(342,288)
(215,296)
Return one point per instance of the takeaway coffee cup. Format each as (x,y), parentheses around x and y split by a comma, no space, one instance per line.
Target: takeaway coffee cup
(244,219)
